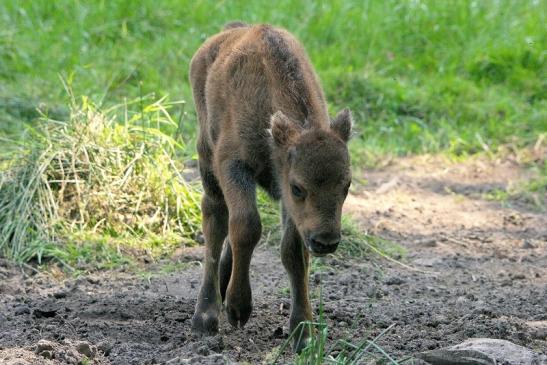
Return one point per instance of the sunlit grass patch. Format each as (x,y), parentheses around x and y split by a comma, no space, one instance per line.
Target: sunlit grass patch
(94,178)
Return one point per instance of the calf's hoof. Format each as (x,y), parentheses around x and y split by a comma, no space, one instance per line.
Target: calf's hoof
(239,304)
(205,322)
(238,315)
(238,311)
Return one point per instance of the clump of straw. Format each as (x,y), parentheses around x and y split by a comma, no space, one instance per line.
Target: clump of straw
(93,175)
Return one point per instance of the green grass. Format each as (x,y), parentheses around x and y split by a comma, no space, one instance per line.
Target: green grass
(344,351)
(419,75)
(93,180)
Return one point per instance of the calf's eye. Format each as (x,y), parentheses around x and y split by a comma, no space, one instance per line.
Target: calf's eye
(297,192)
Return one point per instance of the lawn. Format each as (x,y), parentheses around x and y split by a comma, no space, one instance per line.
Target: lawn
(420,76)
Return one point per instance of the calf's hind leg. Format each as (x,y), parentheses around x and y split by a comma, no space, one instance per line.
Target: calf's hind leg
(244,229)
(225,269)
(215,222)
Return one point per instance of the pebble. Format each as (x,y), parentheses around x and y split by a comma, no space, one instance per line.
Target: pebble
(518,277)
(482,351)
(60,294)
(203,350)
(394,280)
(105,347)
(44,345)
(527,245)
(538,329)
(22,309)
(86,349)
(427,242)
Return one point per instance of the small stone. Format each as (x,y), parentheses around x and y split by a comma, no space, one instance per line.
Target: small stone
(428,261)
(105,347)
(45,349)
(518,277)
(47,354)
(22,309)
(427,242)
(527,245)
(538,329)
(60,294)
(203,350)
(86,349)
(44,345)
(93,280)
(394,280)
(481,351)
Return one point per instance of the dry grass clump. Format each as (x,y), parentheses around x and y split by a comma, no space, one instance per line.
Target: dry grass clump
(94,177)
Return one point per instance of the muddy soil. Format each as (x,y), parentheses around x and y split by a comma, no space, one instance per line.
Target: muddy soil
(478,269)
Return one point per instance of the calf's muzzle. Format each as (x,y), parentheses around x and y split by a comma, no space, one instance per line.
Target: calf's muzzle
(323,243)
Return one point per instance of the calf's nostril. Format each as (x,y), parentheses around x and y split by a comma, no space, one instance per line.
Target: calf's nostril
(317,243)
(327,238)
(324,242)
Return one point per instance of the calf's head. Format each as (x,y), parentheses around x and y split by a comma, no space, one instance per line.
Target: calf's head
(315,177)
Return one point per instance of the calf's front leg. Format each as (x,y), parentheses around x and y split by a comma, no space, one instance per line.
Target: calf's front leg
(244,230)
(295,258)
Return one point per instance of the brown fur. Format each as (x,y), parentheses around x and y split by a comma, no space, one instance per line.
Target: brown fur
(263,121)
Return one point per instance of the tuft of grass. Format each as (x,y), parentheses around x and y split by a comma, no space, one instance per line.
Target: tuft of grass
(99,181)
(79,257)
(341,352)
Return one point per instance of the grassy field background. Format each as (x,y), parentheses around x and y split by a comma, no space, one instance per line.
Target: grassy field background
(456,77)
(419,75)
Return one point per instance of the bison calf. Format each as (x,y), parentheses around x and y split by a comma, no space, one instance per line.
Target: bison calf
(263,121)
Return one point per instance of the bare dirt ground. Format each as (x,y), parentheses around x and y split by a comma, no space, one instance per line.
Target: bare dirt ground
(479,270)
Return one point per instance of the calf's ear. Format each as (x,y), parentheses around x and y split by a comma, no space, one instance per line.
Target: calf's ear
(284,131)
(342,124)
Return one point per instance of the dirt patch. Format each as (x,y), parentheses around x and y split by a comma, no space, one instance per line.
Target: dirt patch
(481,272)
